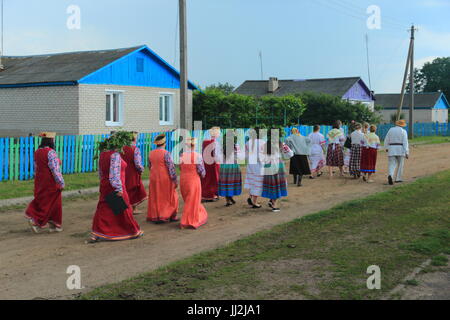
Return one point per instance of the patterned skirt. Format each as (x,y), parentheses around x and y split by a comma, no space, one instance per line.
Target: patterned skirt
(335,156)
(299,165)
(369,160)
(230,180)
(275,186)
(355,160)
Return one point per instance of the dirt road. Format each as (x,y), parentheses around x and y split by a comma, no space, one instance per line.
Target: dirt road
(34,266)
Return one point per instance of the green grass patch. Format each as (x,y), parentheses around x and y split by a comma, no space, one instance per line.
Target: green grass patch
(439,261)
(77,181)
(320,256)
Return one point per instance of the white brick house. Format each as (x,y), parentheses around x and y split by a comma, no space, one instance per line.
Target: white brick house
(90,92)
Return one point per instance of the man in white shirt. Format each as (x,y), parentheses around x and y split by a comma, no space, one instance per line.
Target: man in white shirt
(397,146)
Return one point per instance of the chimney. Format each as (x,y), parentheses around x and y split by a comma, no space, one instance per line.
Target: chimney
(273,84)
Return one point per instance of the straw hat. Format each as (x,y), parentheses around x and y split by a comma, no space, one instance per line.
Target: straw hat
(214,132)
(191,141)
(47,134)
(400,123)
(160,139)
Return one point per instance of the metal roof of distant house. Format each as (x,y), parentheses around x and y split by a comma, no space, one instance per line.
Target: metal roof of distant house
(333,86)
(65,68)
(421,100)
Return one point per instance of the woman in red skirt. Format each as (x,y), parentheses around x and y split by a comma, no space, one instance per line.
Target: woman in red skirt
(112,168)
(133,181)
(46,208)
(369,155)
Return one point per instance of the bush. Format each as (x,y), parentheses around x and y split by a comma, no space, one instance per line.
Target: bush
(216,108)
(325,109)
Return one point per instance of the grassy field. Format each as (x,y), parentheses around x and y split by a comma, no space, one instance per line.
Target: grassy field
(17,189)
(321,256)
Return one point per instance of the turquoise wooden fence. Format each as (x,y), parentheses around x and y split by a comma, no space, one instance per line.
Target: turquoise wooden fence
(77,153)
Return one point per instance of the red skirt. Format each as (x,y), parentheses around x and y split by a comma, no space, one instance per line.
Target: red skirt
(368,160)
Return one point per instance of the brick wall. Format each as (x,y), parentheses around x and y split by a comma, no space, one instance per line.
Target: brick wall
(81,109)
(34,109)
(141,109)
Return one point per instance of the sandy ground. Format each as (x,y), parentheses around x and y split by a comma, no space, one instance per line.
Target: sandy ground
(34,266)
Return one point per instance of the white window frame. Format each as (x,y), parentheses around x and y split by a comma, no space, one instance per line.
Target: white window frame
(171,107)
(120,121)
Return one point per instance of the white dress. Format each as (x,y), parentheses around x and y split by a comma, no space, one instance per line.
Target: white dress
(255,177)
(317,156)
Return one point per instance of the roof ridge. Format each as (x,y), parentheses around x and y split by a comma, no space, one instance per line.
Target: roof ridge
(72,52)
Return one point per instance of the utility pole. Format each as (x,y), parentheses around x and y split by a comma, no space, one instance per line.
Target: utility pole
(184,100)
(368,61)
(409,68)
(261,64)
(412,87)
(1,36)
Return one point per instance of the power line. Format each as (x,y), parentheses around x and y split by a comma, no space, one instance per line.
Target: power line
(354,13)
(354,7)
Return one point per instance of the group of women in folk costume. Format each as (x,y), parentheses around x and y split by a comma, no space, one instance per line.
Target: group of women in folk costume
(364,148)
(112,168)
(163,200)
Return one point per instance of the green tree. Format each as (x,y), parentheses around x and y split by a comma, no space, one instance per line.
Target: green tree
(226,87)
(433,76)
(326,109)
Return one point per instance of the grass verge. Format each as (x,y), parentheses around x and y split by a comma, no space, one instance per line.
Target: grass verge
(77,181)
(320,256)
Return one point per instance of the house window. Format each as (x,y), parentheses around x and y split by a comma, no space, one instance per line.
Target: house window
(166,109)
(139,64)
(114,108)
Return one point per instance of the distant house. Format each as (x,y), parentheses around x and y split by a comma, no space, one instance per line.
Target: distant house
(428,107)
(91,92)
(352,89)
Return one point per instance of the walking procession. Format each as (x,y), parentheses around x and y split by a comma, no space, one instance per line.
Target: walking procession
(207,176)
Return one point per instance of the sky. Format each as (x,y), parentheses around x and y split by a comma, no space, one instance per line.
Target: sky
(298,39)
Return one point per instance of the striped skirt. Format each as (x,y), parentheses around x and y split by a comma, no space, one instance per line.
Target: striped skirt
(275,186)
(230,180)
(355,160)
(335,156)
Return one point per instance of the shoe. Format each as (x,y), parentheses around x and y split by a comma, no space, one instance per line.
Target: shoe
(400,181)
(270,204)
(311,177)
(319,174)
(390,181)
(276,210)
(34,228)
(55,229)
(232,201)
(174,219)
(256,206)
(249,201)
(364,178)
